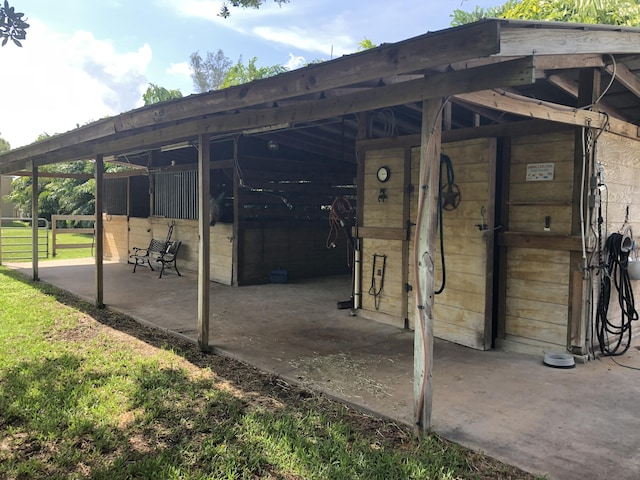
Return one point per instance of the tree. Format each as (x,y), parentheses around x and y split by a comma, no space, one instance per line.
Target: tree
(59,196)
(217,71)
(4,145)
(12,25)
(241,73)
(365,44)
(156,94)
(209,73)
(608,12)
(225,12)
(66,196)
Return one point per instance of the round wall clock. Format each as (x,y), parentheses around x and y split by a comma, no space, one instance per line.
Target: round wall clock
(383,174)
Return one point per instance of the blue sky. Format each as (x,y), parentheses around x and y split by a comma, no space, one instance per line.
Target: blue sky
(84,60)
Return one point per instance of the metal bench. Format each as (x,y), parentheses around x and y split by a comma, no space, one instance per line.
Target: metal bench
(156,250)
(144,256)
(168,258)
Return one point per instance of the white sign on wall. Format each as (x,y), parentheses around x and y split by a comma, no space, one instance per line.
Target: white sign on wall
(540,172)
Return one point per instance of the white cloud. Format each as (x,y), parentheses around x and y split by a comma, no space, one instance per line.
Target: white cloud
(59,81)
(183,69)
(210,10)
(295,62)
(326,44)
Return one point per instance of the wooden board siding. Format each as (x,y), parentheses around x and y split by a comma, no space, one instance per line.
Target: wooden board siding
(536,305)
(389,300)
(384,233)
(299,248)
(620,159)
(537,299)
(461,311)
(531,202)
(115,237)
(139,233)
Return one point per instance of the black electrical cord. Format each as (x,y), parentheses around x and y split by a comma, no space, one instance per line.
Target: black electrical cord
(615,339)
(376,292)
(446,161)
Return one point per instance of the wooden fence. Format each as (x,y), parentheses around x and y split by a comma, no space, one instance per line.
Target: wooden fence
(54,230)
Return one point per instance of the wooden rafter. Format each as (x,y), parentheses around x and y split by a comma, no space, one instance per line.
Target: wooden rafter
(528,107)
(570,86)
(625,77)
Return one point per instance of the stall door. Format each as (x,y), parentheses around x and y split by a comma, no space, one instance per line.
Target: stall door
(463,312)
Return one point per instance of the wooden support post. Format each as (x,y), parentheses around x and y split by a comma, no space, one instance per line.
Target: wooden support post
(406,222)
(204,232)
(424,255)
(503,184)
(490,246)
(363,133)
(0,219)
(235,267)
(99,231)
(34,221)
(588,91)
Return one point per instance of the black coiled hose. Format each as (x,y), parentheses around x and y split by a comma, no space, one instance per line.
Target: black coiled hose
(615,338)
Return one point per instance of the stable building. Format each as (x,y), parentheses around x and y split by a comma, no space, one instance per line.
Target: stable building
(488,163)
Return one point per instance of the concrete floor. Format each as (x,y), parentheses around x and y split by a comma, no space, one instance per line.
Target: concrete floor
(582,423)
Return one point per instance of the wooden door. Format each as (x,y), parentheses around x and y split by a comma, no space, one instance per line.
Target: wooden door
(463,312)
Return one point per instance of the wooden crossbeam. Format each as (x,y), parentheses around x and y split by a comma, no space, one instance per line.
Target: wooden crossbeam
(550,40)
(625,77)
(570,86)
(516,72)
(528,107)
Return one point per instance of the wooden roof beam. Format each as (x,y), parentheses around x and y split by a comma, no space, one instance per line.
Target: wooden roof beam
(532,108)
(625,77)
(517,72)
(543,62)
(570,86)
(551,40)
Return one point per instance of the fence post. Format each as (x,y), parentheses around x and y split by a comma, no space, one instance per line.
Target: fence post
(54,226)
(34,221)
(0,219)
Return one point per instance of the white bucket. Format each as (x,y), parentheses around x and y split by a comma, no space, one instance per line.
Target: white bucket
(634,269)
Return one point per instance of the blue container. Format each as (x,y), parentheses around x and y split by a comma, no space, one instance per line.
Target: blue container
(279,275)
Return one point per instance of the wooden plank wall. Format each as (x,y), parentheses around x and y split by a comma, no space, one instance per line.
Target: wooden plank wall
(460,311)
(298,247)
(620,159)
(537,293)
(116,246)
(387,306)
(139,233)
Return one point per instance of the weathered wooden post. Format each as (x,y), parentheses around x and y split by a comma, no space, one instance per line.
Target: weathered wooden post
(424,253)
(98,228)
(34,221)
(203,241)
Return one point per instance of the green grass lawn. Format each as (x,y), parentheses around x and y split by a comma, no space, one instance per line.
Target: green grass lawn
(16,244)
(89,393)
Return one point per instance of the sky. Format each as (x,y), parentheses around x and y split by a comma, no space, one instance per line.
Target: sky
(85,60)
